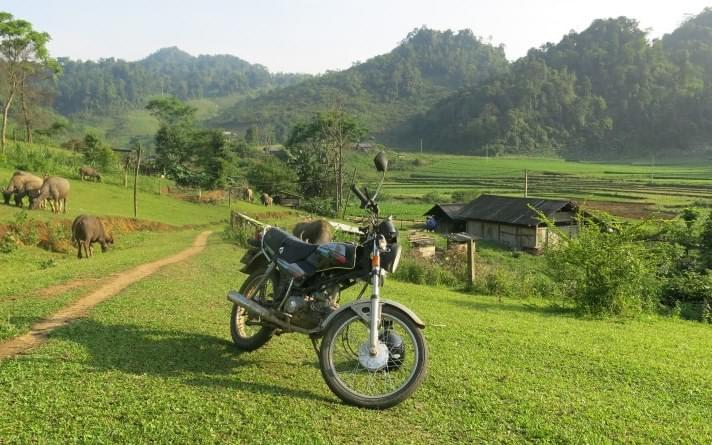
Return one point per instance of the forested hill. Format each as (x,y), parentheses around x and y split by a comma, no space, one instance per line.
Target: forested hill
(109,85)
(607,91)
(383,91)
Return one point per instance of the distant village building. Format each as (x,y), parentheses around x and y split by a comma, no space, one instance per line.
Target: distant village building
(447,218)
(364,147)
(277,151)
(287,199)
(515,222)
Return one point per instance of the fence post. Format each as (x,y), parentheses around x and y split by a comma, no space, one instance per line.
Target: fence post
(471,262)
(135,186)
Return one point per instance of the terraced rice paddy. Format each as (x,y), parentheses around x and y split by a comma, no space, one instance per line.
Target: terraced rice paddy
(630,190)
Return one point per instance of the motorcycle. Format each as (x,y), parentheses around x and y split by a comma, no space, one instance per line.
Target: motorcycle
(371,351)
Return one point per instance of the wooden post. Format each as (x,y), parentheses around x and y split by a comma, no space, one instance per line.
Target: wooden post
(471,262)
(229,198)
(526,183)
(135,188)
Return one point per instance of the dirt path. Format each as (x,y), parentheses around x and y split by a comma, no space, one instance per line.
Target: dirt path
(38,332)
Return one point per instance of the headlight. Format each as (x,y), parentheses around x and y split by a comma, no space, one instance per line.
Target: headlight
(391,258)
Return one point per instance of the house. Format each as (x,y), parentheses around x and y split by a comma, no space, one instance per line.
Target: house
(277,151)
(447,217)
(516,222)
(287,199)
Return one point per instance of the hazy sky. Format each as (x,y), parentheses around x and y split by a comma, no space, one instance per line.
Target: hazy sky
(317,35)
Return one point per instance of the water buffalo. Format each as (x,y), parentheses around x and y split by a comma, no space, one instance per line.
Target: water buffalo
(266,199)
(318,231)
(21,184)
(55,189)
(248,194)
(89,172)
(87,230)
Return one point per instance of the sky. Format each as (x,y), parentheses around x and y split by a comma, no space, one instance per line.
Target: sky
(313,36)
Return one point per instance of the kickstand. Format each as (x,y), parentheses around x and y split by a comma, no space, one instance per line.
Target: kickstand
(316,347)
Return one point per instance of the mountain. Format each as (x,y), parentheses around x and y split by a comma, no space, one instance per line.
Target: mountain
(607,91)
(111,85)
(383,91)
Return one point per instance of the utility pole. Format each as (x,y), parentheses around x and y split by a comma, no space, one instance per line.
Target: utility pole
(652,171)
(421,146)
(135,188)
(526,183)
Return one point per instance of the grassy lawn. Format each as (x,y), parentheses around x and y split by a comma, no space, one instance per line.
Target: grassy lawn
(154,364)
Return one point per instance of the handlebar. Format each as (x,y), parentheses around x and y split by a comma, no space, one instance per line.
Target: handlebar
(360,195)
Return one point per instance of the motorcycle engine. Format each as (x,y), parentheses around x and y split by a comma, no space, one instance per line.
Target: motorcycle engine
(307,311)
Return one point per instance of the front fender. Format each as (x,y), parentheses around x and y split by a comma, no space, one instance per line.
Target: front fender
(358,307)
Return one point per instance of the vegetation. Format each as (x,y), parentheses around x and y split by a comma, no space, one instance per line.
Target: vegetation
(606,92)
(383,91)
(111,85)
(512,372)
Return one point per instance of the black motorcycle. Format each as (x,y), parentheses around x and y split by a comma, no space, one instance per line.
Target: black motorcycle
(372,352)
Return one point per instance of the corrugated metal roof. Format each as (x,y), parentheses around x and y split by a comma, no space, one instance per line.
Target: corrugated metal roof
(513,210)
(452,211)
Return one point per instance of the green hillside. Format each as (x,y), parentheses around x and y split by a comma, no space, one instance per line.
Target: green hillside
(383,91)
(606,92)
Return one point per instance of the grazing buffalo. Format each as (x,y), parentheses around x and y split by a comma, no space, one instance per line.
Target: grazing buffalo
(55,189)
(21,185)
(89,172)
(266,199)
(318,231)
(87,230)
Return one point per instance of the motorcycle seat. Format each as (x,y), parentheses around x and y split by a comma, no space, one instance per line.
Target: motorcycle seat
(293,249)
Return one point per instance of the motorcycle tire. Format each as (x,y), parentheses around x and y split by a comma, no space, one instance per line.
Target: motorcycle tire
(333,340)
(247,340)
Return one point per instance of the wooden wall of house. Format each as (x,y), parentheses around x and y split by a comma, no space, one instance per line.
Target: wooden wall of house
(518,237)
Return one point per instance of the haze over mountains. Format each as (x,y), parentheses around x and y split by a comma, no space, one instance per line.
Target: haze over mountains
(606,91)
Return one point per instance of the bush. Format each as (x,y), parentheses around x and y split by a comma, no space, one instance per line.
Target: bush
(607,271)
(464,195)
(319,206)
(239,235)
(432,197)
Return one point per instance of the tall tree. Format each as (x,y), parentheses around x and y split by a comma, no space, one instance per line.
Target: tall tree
(23,52)
(321,143)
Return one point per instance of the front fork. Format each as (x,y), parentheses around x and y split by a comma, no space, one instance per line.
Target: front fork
(375,300)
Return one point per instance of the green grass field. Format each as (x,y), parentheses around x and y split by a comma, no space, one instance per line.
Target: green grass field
(155,365)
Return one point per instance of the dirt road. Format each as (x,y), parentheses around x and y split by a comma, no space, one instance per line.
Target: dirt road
(38,332)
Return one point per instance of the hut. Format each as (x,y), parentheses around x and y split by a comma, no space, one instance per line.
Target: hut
(515,221)
(287,199)
(447,217)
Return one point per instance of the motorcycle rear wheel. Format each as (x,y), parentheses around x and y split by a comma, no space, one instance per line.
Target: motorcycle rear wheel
(374,385)
(246,336)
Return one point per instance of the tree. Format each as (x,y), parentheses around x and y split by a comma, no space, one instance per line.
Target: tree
(320,143)
(23,52)
(97,154)
(174,139)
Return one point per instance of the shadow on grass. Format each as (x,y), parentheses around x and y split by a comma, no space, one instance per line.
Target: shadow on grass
(495,306)
(197,359)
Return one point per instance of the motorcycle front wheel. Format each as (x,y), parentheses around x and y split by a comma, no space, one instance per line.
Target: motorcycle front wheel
(379,381)
(246,334)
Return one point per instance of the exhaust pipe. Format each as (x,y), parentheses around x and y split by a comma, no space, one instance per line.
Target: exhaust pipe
(261,311)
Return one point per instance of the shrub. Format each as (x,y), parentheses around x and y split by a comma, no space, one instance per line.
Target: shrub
(464,195)
(606,271)
(239,235)
(319,206)
(432,197)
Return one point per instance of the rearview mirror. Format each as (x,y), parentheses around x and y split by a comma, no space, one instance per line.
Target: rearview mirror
(381,162)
